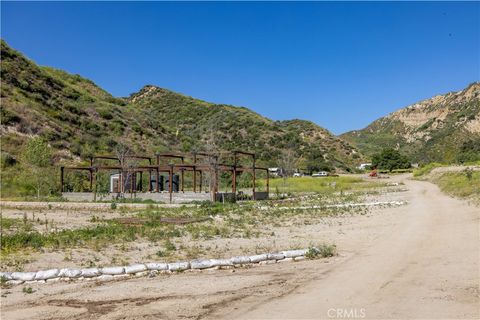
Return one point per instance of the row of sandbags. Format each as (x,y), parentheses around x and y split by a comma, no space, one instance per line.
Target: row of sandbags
(68,273)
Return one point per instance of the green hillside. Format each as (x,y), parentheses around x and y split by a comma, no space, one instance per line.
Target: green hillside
(78,118)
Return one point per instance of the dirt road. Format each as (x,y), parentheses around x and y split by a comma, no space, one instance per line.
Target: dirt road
(416,261)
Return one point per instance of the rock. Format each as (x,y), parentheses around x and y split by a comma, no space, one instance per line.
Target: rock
(142,274)
(112,270)
(240,260)
(46,274)
(276,256)
(157,266)
(258,258)
(134,268)
(23,276)
(91,272)
(14,282)
(301,258)
(294,253)
(286,260)
(178,266)
(53,280)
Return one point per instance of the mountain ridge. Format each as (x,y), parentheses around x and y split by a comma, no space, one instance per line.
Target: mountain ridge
(78,118)
(429,130)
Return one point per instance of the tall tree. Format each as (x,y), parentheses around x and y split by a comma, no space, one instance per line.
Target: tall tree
(37,165)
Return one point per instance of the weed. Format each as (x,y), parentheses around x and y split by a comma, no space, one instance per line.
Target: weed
(28,290)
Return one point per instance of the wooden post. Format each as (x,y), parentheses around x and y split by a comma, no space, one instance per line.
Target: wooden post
(91,179)
(170,182)
(157,176)
(201,181)
(194,179)
(141,181)
(268,183)
(234,178)
(94,174)
(62,169)
(254,177)
(183,190)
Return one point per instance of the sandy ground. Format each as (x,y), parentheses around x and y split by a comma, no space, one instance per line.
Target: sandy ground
(415,261)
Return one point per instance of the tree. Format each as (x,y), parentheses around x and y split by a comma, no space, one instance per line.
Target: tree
(390,159)
(288,162)
(469,151)
(37,164)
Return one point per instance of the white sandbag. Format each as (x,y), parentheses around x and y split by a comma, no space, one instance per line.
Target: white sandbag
(178,266)
(200,264)
(134,268)
(6,276)
(112,270)
(221,262)
(157,266)
(69,273)
(276,256)
(240,260)
(286,260)
(91,272)
(105,277)
(258,258)
(23,276)
(294,253)
(267,262)
(46,274)
(53,280)
(301,258)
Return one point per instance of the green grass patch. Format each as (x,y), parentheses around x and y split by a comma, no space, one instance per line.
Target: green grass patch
(318,184)
(460,184)
(426,169)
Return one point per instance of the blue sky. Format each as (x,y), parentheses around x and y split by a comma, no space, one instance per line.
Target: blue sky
(341,65)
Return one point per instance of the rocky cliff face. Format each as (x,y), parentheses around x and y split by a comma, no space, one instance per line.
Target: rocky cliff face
(430,130)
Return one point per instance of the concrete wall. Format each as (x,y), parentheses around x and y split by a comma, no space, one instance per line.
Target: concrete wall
(161,196)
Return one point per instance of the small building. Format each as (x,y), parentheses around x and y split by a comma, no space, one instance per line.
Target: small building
(364,166)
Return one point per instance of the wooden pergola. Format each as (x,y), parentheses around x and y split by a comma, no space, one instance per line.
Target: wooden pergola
(214,168)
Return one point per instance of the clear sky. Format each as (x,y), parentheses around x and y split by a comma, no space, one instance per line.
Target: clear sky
(340,65)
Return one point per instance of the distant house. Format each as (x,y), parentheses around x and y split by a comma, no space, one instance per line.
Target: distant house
(364,166)
(276,172)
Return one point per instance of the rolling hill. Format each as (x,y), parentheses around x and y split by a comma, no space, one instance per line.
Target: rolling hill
(435,129)
(78,118)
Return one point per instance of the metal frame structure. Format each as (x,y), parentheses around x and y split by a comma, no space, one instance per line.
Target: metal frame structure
(214,167)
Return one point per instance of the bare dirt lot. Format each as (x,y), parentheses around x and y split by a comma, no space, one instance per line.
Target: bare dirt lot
(415,261)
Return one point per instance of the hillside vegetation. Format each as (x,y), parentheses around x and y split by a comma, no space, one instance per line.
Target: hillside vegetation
(78,118)
(445,128)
